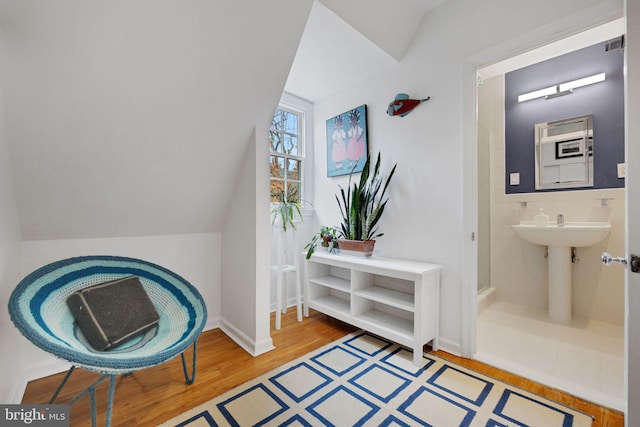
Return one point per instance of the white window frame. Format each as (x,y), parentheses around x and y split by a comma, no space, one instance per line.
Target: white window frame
(305,145)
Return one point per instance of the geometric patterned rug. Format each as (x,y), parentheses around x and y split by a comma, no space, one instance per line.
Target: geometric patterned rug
(362,380)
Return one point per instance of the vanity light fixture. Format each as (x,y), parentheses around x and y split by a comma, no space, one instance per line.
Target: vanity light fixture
(538,93)
(562,88)
(596,78)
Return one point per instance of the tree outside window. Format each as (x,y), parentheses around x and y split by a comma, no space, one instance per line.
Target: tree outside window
(286,143)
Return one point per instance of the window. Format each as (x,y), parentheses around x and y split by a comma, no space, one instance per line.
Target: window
(286,137)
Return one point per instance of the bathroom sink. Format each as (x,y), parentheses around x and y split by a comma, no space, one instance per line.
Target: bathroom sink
(572,234)
(560,241)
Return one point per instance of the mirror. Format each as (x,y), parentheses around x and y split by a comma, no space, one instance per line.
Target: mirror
(564,153)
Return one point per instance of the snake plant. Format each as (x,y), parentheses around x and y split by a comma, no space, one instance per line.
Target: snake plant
(362,205)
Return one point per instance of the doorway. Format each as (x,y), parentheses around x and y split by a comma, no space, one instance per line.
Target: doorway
(513,332)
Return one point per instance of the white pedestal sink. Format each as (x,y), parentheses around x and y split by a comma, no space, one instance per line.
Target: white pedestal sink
(560,240)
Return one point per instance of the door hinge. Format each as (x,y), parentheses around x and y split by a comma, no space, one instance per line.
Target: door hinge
(473,236)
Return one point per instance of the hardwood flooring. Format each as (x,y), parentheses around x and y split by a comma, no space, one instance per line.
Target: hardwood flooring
(157,394)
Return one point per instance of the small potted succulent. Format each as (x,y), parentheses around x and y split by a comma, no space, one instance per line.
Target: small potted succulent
(327,237)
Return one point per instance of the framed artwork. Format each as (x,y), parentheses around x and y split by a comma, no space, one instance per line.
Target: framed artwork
(573,148)
(347,142)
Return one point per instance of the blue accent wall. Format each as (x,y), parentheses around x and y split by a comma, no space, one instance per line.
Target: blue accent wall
(604,100)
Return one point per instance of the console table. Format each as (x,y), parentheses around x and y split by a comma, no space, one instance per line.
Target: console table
(395,299)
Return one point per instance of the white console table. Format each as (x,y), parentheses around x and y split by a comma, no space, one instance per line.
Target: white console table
(392,298)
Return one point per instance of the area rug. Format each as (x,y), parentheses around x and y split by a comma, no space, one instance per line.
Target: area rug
(362,380)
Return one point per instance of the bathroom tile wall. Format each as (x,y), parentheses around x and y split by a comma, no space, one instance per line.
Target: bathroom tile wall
(519,268)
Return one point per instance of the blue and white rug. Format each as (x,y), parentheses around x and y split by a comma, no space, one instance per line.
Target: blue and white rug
(361,380)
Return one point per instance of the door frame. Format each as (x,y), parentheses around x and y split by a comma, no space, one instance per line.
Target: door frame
(632,196)
(556,30)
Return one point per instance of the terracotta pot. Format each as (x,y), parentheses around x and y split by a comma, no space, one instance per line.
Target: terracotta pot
(356,247)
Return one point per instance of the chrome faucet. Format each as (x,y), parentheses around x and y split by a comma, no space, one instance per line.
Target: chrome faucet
(560,220)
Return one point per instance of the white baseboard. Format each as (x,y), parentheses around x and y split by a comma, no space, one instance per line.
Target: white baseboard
(450,347)
(291,302)
(212,324)
(263,346)
(247,343)
(17,391)
(20,386)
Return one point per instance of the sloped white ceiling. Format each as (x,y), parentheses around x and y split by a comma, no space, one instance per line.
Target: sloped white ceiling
(130,117)
(332,56)
(390,24)
(348,41)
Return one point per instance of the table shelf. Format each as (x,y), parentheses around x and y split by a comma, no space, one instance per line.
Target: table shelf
(388,296)
(395,299)
(333,283)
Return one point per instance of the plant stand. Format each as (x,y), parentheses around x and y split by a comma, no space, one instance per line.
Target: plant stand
(287,264)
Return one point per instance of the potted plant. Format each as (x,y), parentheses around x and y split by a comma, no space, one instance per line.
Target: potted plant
(328,238)
(361,207)
(286,208)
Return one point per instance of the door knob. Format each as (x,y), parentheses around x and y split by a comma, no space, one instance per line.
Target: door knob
(607,259)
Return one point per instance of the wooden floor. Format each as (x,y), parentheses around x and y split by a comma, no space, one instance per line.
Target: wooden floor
(157,394)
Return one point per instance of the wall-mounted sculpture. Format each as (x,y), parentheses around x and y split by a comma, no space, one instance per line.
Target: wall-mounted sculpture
(403,105)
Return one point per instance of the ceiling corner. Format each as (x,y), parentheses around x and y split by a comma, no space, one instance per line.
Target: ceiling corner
(391,25)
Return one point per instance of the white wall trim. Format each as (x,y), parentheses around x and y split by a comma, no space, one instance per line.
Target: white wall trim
(35,373)
(470,211)
(212,323)
(632,281)
(17,391)
(451,347)
(57,366)
(263,346)
(290,303)
(249,345)
(306,108)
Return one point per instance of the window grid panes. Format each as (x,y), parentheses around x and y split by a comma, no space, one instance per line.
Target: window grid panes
(286,161)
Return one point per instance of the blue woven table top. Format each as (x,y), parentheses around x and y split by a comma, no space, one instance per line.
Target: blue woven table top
(39,310)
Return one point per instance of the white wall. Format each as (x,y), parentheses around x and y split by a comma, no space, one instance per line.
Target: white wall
(246,252)
(426,219)
(10,359)
(518,268)
(196,257)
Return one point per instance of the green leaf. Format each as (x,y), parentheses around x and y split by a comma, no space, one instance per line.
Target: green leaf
(362,205)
